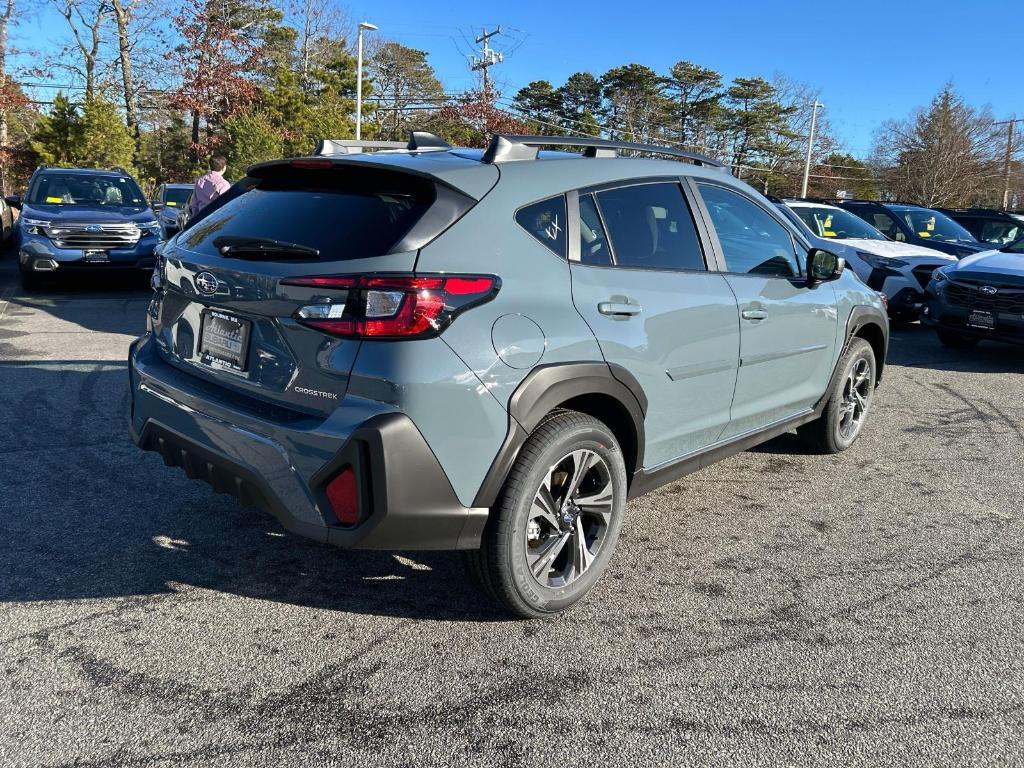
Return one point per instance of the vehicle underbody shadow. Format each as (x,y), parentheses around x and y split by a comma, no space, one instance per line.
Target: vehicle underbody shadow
(96,518)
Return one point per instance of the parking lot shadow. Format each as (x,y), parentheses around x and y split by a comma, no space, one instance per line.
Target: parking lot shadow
(917,346)
(85,514)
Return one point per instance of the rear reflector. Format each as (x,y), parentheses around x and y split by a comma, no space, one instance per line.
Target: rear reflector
(391,306)
(343,497)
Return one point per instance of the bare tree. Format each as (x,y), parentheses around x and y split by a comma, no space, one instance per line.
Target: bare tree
(945,155)
(5,21)
(316,22)
(122,17)
(86,19)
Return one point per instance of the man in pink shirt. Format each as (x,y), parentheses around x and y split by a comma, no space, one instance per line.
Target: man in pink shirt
(211,185)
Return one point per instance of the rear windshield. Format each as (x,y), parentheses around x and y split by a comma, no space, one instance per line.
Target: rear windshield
(91,189)
(343,213)
(176,197)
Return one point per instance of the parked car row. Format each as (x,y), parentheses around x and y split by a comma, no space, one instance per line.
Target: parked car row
(960,270)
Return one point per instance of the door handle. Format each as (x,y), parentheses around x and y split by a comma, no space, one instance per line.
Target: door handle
(754,314)
(619,309)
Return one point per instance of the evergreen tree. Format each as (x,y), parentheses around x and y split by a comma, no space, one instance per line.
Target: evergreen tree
(58,136)
(403,78)
(697,94)
(636,105)
(539,104)
(106,140)
(249,137)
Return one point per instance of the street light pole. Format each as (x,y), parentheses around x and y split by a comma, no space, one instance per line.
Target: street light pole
(363,25)
(810,148)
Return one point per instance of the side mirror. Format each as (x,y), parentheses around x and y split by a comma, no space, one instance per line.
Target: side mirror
(13,200)
(156,205)
(823,265)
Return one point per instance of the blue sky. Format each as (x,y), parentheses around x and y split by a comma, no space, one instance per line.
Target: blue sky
(872,60)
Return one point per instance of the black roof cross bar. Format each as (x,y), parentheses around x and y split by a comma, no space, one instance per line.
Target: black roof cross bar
(506,148)
(419,141)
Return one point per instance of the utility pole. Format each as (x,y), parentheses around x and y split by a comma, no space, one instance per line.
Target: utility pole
(810,147)
(488,58)
(1009,158)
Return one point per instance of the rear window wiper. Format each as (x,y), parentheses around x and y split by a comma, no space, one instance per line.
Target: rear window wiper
(248,247)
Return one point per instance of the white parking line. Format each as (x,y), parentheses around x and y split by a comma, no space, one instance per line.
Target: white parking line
(5,296)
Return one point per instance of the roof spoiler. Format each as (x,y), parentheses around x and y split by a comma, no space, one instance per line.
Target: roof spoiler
(506,148)
(419,141)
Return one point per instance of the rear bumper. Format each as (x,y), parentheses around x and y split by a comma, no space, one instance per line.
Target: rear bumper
(280,463)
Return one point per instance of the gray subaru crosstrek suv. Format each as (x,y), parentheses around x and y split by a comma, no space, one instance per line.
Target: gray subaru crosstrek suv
(491,351)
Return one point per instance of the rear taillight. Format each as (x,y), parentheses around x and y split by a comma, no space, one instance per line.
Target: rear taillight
(391,306)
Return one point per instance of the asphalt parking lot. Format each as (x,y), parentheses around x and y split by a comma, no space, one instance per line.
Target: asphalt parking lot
(777,608)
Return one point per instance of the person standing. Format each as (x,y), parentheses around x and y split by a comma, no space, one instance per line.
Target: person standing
(210,185)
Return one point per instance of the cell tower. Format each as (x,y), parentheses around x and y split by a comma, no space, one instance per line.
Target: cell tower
(488,57)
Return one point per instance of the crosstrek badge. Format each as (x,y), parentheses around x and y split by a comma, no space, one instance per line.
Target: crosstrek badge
(315,393)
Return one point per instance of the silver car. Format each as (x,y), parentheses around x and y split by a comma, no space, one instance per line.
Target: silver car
(492,350)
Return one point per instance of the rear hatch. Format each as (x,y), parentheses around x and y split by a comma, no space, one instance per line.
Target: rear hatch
(225,311)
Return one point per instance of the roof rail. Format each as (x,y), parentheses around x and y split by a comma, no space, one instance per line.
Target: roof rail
(419,141)
(506,148)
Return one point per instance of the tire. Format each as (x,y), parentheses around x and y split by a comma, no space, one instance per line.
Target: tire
(521,536)
(838,426)
(956,340)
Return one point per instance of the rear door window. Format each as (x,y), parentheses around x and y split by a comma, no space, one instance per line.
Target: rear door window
(1001,232)
(650,227)
(546,222)
(344,213)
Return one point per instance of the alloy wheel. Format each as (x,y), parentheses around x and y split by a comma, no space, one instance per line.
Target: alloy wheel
(856,394)
(569,518)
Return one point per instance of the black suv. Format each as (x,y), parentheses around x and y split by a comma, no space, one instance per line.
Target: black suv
(988,225)
(979,298)
(908,223)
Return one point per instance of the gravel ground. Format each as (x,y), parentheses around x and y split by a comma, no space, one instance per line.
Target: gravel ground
(777,608)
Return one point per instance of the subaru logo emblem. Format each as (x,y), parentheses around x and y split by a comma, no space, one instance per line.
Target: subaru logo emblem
(206,283)
(989,290)
(94,228)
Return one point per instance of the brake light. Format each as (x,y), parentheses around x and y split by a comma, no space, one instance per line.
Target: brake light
(311,164)
(343,497)
(392,306)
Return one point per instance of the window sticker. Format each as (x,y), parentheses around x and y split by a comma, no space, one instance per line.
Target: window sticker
(55,199)
(172,204)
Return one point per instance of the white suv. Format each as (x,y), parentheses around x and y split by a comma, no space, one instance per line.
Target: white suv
(899,270)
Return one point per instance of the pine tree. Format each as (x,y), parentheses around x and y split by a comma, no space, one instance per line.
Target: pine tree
(249,137)
(58,136)
(106,140)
